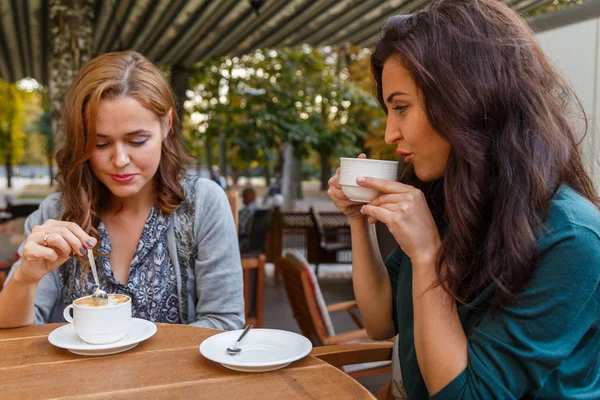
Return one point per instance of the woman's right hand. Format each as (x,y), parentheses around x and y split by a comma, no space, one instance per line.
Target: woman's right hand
(48,246)
(348,207)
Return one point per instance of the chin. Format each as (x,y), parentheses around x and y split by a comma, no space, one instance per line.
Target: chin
(123,192)
(427,176)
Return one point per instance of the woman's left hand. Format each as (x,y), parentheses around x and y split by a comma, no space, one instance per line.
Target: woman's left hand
(404,210)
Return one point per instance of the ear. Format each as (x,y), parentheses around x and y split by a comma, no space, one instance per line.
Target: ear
(169,123)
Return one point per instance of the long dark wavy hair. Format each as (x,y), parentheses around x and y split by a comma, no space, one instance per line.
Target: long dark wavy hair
(111,76)
(491,92)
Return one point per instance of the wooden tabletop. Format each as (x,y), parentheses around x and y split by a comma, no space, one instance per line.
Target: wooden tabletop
(166,366)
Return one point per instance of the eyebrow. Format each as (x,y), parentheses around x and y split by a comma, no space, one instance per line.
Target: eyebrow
(394,94)
(132,133)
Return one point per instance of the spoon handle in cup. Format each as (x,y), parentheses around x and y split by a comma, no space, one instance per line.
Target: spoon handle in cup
(93,266)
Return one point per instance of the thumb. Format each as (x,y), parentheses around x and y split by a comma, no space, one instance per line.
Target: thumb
(362,155)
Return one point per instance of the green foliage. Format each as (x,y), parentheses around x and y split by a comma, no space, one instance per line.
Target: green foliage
(22,141)
(303,96)
(40,143)
(12,136)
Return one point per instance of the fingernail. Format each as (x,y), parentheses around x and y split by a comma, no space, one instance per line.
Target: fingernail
(83,251)
(91,242)
(362,209)
(361,179)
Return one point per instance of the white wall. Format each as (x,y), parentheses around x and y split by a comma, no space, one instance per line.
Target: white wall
(574,49)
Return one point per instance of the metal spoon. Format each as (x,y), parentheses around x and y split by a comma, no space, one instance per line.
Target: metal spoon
(99,296)
(236,349)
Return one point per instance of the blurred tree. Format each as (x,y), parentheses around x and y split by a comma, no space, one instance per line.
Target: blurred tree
(43,128)
(33,108)
(372,119)
(262,101)
(12,136)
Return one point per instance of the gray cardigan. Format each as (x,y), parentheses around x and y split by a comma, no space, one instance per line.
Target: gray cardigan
(210,288)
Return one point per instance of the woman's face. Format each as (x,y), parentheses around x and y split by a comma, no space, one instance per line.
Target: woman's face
(128,147)
(408,126)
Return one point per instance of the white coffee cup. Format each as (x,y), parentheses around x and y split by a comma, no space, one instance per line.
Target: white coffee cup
(352,168)
(100,324)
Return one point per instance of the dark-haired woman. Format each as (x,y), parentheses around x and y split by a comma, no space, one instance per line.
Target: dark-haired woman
(494,287)
(166,240)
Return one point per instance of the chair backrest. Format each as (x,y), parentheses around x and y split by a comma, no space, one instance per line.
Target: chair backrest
(232,196)
(12,234)
(305,298)
(318,224)
(21,210)
(259,226)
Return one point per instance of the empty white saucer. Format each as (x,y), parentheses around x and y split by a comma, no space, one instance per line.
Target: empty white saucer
(66,338)
(262,349)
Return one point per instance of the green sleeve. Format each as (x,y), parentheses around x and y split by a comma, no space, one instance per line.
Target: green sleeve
(514,352)
(393,264)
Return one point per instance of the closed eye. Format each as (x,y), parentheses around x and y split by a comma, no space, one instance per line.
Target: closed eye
(139,142)
(136,143)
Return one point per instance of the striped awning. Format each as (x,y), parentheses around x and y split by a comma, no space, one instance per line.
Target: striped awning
(182,32)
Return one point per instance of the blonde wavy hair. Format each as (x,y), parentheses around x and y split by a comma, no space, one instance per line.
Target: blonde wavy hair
(112,76)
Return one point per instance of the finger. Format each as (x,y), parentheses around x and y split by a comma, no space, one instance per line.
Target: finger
(334,181)
(35,251)
(396,201)
(379,213)
(58,242)
(83,238)
(60,236)
(387,198)
(383,185)
(334,185)
(362,155)
(337,194)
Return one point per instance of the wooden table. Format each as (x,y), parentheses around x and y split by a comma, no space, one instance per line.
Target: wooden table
(166,366)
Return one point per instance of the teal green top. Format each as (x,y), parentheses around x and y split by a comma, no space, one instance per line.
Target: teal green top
(546,344)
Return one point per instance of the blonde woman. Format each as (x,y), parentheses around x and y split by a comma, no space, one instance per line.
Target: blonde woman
(165,239)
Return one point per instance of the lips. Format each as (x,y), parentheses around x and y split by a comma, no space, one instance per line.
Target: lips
(407,156)
(122,178)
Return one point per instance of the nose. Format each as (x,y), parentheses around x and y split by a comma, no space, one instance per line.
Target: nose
(120,157)
(392,132)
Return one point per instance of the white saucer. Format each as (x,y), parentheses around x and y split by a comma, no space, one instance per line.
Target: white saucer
(66,338)
(262,349)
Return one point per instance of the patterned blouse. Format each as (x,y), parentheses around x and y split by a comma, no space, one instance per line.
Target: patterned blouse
(152,278)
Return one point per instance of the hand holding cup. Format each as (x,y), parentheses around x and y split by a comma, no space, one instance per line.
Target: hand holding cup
(347,194)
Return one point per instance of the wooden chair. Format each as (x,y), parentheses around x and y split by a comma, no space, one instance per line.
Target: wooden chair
(253,263)
(323,243)
(11,236)
(312,314)
(342,355)
(254,289)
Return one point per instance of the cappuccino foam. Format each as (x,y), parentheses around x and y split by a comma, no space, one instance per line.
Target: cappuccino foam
(113,300)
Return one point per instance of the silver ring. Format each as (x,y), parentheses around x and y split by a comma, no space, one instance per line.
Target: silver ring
(46,239)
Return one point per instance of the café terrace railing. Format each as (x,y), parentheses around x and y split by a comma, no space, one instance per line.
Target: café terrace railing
(295,230)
